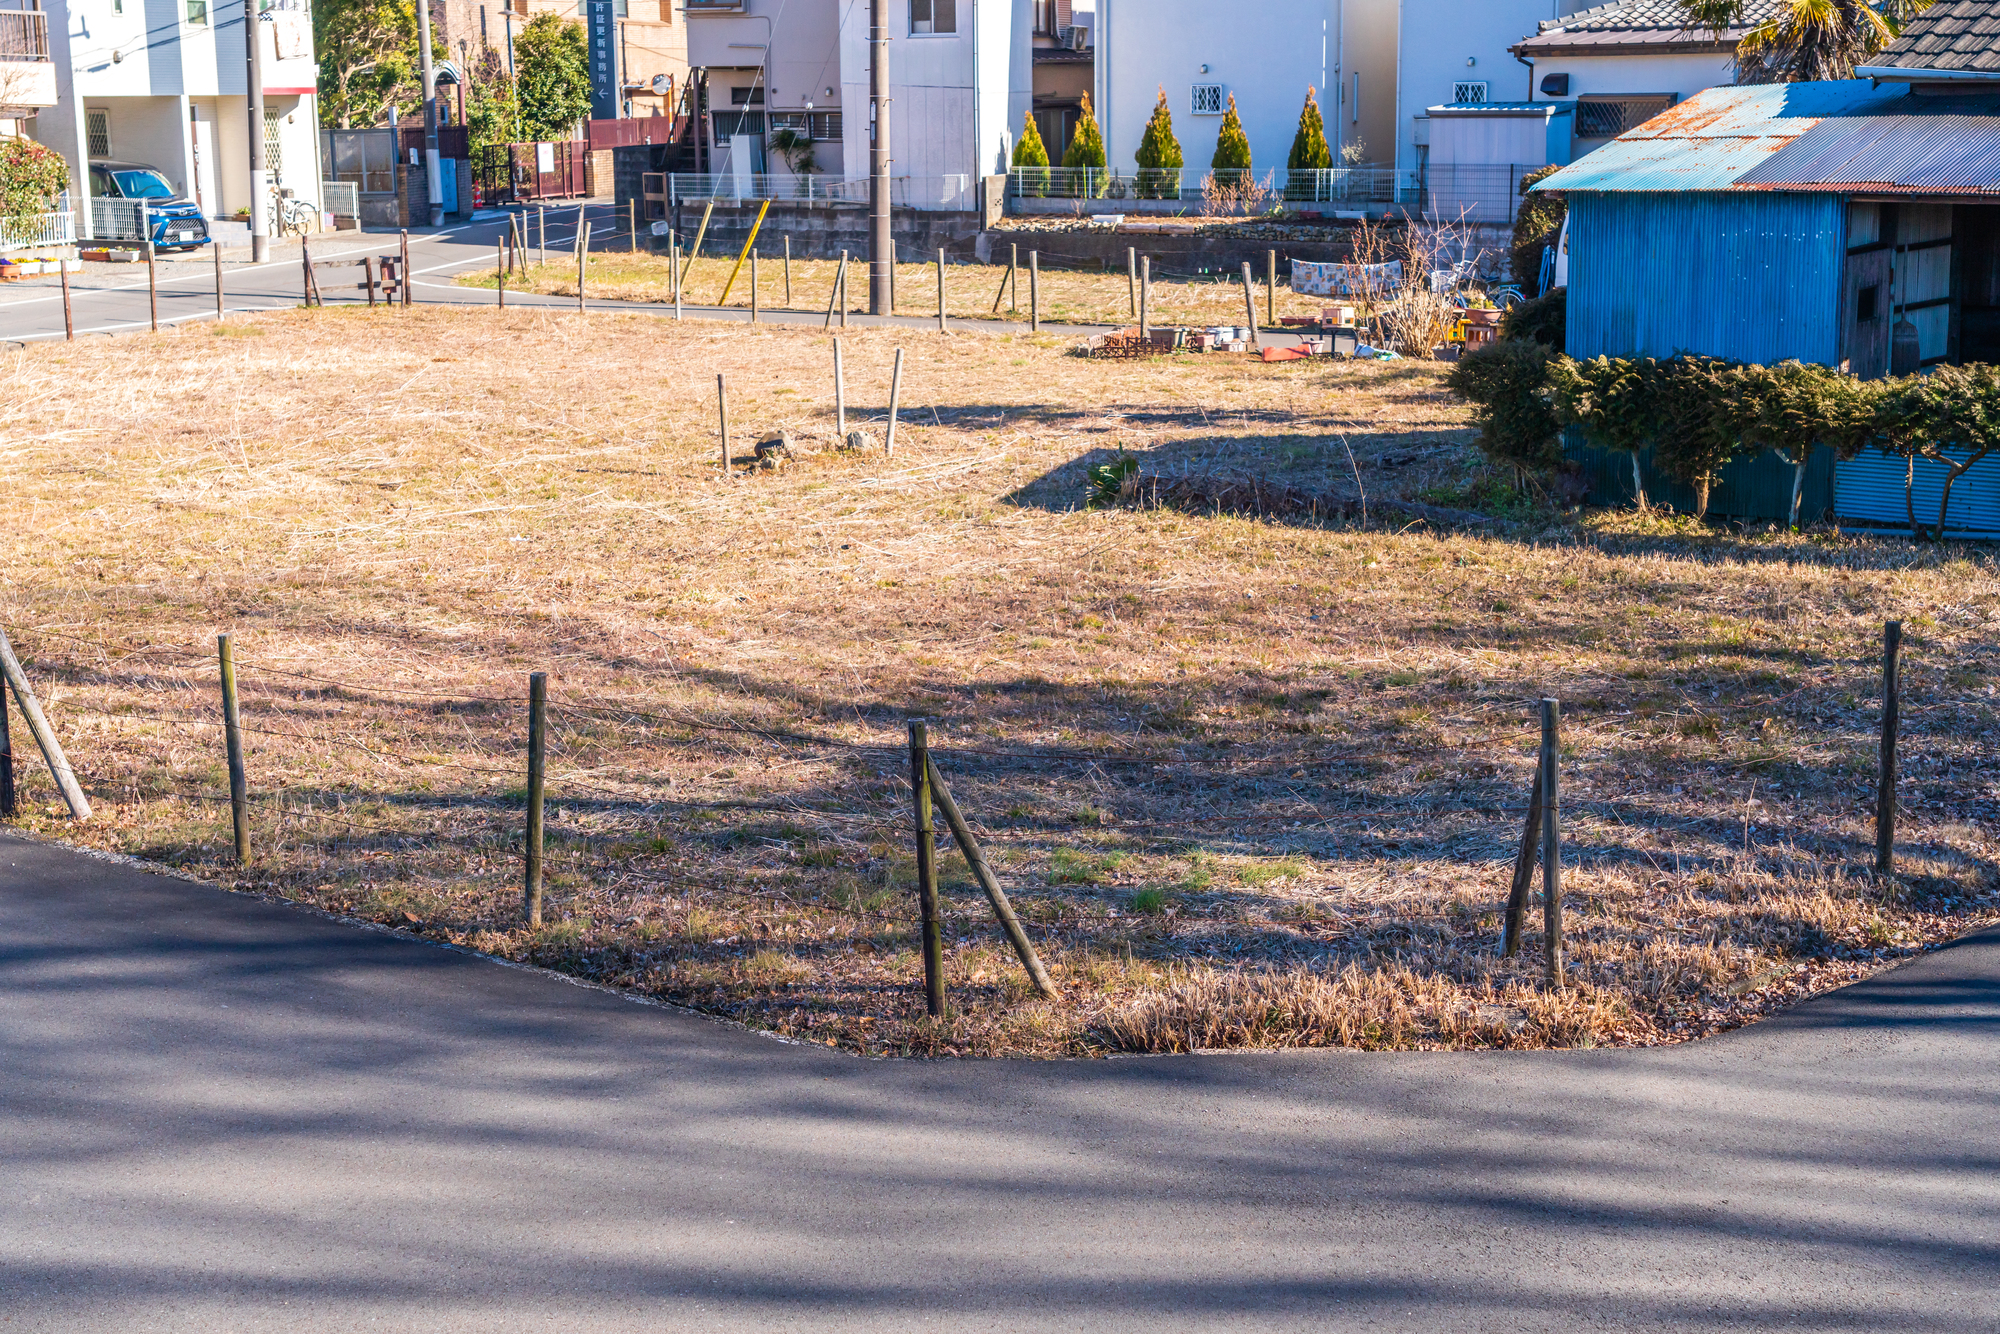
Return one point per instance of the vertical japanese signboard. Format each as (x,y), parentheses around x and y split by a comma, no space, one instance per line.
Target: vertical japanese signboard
(602,17)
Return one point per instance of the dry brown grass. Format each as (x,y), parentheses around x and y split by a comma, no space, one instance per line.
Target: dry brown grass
(399,515)
(1068,296)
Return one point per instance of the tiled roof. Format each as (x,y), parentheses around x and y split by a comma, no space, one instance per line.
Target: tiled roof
(1961,35)
(1649,23)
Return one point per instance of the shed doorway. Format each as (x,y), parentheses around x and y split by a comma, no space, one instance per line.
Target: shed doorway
(1978,283)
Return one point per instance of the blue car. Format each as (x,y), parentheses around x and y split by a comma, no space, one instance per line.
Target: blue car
(176,223)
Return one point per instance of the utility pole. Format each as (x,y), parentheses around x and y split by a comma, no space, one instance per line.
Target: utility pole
(432,179)
(881,241)
(253,54)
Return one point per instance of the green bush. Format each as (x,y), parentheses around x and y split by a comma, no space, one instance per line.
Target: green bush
(1693,435)
(1231,163)
(1507,383)
(1309,147)
(1794,406)
(552,76)
(1159,155)
(1541,320)
(1086,148)
(1950,415)
(1608,398)
(1535,226)
(32,175)
(1031,155)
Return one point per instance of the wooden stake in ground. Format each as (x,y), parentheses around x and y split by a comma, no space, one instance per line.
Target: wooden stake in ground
(1271,288)
(895,398)
(6,758)
(942,327)
(1013,278)
(842,279)
(833,297)
(674,255)
(927,900)
(69,322)
(216,246)
(403,272)
(538,734)
(368,278)
(1885,778)
(753,286)
(839,394)
(1145,298)
(1551,794)
(1250,308)
(699,233)
(1524,871)
(632,224)
(232,731)
(500,273)
(722,410)
(788,270)
(1034,291)
(45,736)
(153,286)
(541,234)
(1132,279)
(582,259)
(975,857)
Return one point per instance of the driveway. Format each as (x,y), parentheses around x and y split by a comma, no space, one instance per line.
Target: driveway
(226,1114)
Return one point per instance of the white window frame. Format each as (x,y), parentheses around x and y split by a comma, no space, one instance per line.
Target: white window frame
(195,19)
(1478,87)
(1207,99)
(102,116)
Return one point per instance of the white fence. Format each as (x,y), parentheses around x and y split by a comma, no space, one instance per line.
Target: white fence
(118,219)
(342,198)
(38,229)
(935,193)
(1478,192)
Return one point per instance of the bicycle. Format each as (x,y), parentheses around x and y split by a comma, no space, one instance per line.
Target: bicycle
(293,216)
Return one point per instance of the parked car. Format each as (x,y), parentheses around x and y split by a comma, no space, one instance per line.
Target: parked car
(175,223)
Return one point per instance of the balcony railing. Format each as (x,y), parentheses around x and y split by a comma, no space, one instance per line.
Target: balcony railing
(24,34)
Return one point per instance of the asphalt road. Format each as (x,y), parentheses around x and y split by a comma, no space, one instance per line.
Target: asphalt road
(113,298)
(218,1113)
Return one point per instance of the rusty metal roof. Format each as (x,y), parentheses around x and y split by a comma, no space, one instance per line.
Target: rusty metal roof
(1843,136)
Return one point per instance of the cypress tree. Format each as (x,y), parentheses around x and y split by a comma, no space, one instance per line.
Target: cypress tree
(1086,147)
(1309,148)
(1030,153)
(1159,155)
(1231,163)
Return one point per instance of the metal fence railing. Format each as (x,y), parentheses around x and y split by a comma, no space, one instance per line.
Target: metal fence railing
(1478,192)
(38,229)
(118,219)
(951,193)
(342,199)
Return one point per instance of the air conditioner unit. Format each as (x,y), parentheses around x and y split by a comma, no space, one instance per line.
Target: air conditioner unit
(1079,39)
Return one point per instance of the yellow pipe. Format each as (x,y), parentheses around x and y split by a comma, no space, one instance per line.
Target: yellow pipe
(703,231)
(755,227)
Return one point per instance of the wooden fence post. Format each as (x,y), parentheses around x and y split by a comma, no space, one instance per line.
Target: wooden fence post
(45,736)
(6,758)
(674,254)
(1034,291)
(895,397)
(942,328)
(1013,278)
(216,246)
(582,259)
(1551,794)
(500,271)
(753,285)
(788,270)
(153,286)
(1145,298)
(632,224)
(839,394)
(1132,279)
(69,321)
(927,901)
(722,408)
(1250,308)
(1524,869)
(843,288)
(538,734)
(232,731)
(403,284)
(1271,288)
(975,857)
(1885,779)
(367,279)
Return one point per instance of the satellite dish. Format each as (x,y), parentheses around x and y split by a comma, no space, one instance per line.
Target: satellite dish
(663,84)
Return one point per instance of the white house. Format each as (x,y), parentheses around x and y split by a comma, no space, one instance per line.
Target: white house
(27,75)
(163,83)
(770,65)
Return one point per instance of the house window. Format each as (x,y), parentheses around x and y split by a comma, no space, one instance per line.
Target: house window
(1609,117)
(274,149)
(933,16)
(97,132)
(197,12)
(1469,90)
(820,126)
(746,97)
(1207,99)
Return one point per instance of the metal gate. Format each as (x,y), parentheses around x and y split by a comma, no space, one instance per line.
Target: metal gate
(515,173)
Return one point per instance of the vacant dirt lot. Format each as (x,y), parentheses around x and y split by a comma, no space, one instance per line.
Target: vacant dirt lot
(1249,783)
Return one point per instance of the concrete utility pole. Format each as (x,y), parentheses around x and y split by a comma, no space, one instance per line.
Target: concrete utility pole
(431,177)
(260,209)
(881,241)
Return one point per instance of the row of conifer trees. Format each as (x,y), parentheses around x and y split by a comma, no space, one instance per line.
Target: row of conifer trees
(1160,152)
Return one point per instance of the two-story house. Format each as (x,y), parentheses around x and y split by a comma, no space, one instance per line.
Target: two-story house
(27,75)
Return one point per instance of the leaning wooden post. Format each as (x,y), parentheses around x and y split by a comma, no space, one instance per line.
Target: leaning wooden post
(1132,279)
(232,731)
(305,273)
(538,735)
(839,394)
(632,224)
(1034,291)
(69,322)
(1524,870)
(153,286)
(833,297)
(6,759)
(788,270)
(942,328)
(722,408)
(843,289)
(674,253)
(45,736)
(1271,288)
(927,900)
(367,279)
(975,857)
(1250,308)
(582,258)
(500,272)
(753,287)
(895,397)
(1551,794)
(1013,278)
(403,285)
(216,246)
(1885,780)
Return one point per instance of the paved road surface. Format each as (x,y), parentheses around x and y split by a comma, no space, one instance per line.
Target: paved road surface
(222,1114)
(112,298)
